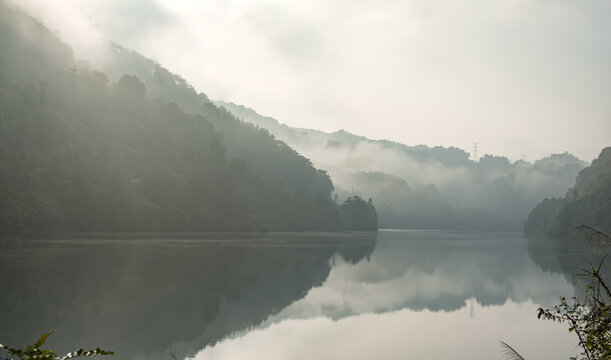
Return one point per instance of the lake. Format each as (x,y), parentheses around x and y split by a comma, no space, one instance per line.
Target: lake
(391,294)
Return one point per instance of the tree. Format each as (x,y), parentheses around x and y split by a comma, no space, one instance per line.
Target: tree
(590,318)
(356,214)
(34,352)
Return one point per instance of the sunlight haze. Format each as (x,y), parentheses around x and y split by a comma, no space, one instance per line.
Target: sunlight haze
(525,78)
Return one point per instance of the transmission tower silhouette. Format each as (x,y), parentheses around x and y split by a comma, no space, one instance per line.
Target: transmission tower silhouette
(471,303)
(475,151)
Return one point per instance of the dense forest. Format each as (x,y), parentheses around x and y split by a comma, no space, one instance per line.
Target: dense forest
(356,214)
(427,187)
(587,203)
(84,151)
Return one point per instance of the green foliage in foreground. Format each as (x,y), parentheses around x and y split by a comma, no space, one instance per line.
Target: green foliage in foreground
(589,319)
(34,351)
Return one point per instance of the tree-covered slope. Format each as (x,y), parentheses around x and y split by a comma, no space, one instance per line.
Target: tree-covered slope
(82,152)
(271,160)
(587,203)
(427,187)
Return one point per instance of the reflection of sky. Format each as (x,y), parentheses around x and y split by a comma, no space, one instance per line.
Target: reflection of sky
(405,334)
(414,299)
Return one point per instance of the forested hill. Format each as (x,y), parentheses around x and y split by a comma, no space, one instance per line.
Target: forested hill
(428,187)
(586,203)
(84,151)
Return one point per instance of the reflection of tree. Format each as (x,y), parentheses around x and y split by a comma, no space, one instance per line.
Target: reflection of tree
(355,251)
(566,256)
(146,296)
(589,319)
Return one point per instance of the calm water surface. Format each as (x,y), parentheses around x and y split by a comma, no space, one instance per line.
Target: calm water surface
(387,295)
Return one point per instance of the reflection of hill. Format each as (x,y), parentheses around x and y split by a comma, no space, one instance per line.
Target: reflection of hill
(567,256)
(446,269)
(146,297)
(433,270)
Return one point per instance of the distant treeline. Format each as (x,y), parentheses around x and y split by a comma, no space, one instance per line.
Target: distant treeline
(587,203)
(81,152)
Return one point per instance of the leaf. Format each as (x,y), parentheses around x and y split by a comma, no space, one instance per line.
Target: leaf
(510,353)
(42,339)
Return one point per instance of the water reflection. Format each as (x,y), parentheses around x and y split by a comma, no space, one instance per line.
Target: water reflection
(403,334)
(394,294)
(569,257)
(422,294)
(159,298)
(434,271)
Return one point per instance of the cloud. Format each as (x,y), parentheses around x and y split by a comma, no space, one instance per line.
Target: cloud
(343,161)
(290,35)
(70,21)
(130,22)
(400,335)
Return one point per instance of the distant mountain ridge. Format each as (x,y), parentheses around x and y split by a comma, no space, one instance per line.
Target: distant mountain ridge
(427,187)
(299,137)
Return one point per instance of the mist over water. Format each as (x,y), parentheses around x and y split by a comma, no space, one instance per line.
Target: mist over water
(428,187)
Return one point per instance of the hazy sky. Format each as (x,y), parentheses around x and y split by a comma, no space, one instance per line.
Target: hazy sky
(524,78)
